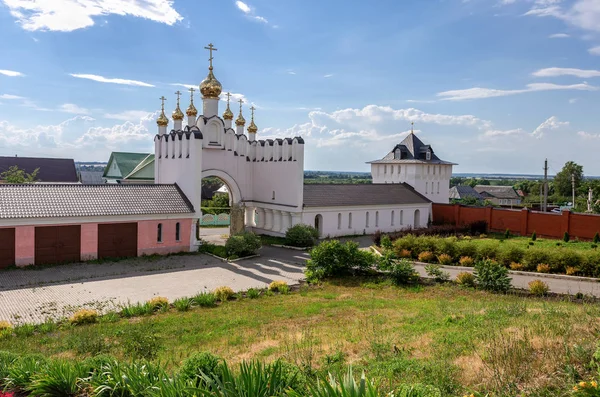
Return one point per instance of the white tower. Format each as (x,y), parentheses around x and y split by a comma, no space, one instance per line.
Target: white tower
(252,128)
(191,111)
(240,122)
(228,114)
(177,115)
(162,121)
(210,88)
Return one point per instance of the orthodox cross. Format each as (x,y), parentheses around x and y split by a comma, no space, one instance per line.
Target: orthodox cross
(178,93)
(252,109)
(162,100)
(210,48)
(241,101)
(228,96)
(191,90)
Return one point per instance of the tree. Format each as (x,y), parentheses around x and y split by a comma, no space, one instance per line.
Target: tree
(562,180)
(16,175)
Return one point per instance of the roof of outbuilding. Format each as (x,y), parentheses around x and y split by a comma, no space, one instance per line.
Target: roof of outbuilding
(342,195)
(127,162)
(501,192)
(62,200)
(464,191)
(50,169)
(91,177)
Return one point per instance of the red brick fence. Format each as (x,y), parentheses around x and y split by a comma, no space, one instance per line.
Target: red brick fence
(523,222)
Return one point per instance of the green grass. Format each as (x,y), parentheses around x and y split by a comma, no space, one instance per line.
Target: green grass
(457,339)
(218,250)
(271,240)
(523,242)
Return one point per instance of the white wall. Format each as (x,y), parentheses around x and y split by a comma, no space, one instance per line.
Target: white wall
(359,219)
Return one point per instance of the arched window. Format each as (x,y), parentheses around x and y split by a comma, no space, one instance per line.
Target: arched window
(177,232)
(438,189)
(393,214)
(159,233)
(376,218)
(401,217)
(339,221)
(399,169)
(426,187)
(273,198)
(350,220)
(367,220)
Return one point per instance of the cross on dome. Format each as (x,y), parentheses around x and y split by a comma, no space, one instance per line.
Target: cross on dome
(210,48)
(228,114)
(191,110)
(240,121)
(162,120)
(210,87)
(177,113)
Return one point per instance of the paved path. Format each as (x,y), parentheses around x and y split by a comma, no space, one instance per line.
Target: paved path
(32,296)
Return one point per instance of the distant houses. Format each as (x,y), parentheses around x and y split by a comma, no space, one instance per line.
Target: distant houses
(50,170)
(126,167)
(464,193)
(499,195)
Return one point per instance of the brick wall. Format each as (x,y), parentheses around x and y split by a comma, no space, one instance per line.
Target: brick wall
(522,222)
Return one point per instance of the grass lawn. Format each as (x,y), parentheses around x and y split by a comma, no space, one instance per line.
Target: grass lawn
(523,242)
(456,339)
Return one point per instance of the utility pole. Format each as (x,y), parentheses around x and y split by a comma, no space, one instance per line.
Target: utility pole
(545,204)
(573,188)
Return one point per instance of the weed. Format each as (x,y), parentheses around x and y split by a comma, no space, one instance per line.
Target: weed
(182,304)
(253,293)
(141,342)
(223,293)
(84,316)
(538,287)
(205,299)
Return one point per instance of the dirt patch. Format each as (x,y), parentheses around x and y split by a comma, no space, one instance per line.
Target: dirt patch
(256,349)
(472,369)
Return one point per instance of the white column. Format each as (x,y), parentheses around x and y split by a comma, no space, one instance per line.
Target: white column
(162,129)
(285,221)
(210,106)
(268,219)
(191,121)
(249,216)
(251,136)
(260,222)
(239,129)
(296,218)
(177,124)
(276,220)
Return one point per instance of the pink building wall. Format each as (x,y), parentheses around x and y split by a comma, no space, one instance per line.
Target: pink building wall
(24,245)
(89,241)
(148,232)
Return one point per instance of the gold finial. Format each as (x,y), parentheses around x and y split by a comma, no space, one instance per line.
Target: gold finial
(177,113)
(412,127)
(228,114)
(210,48)
(210,86)
(252,128)
(240,121)
(162,120)
(191,110)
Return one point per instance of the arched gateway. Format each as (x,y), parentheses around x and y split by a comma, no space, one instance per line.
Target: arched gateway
(265,177)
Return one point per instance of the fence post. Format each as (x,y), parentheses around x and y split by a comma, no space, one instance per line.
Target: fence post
(457,214)
(488,217)
(566,222)
(524,221)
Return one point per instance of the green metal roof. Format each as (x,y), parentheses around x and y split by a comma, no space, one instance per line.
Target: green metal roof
(127,162)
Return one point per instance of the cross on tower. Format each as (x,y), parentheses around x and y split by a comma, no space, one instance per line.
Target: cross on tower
(252,109)
(162,100)
(178,93)
(191,90)
(412,126)
(228,96)
(241,101)
(210,48)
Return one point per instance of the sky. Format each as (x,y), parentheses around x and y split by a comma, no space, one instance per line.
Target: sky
(494,85)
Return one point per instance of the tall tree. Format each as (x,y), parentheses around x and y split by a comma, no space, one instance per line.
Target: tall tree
(16,175)
(562,180)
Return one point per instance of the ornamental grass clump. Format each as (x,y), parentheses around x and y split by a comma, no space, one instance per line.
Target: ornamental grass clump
(404,254)
(205,299)
(517,266)
(426,256)
(538,287)
(279,286)
(466,261)
(465,279)
(182,304)
(84,316)
(445,259)
(5,326)
(223,293)
(543,268)
(158,303)
(571,270)
(58,378)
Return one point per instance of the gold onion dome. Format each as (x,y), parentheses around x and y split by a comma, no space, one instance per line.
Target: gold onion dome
(162,120)
(228,114)
(252,128)
(240,121)
(210,86)
(177,114)
(191,110)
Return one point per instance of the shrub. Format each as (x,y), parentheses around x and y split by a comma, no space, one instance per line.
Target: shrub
(566,237)
(405,243)
(510,254)
(488,250)
(594,246)
(436,272)
(426,256)
(19,374)
(332,258)
(570,270)
(507,234)
(301,235)
(252,293)
(538,287)
(424,244)
(403,272)
(492,276)
(127,380)
(543,268)
(596,239)
(198,365)
(141,342)
(242,244)
(223,293)
(405,254)
(84,316)
(279,286)
(445,259)
(467,248)
(6,361)
(5,326)
(465,278)
(205,299)
(533,236)
(447,246)
(466,261)
(517,266)
(158,302)
(386,242)
(182,304)
(139,309)
(535,256)
(564,258)
(58,379)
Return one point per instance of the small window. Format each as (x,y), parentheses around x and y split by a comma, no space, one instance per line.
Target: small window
(339,221)
(273,195)
(177,232)
(376,218)
(367,220)
(385,169)
(397,154)
(428,169)
(391,169)
(434,167)
(392,223)
(402,217)
(428,155)
(350,220)
(399,169)
(426,187)
(438,189)
(159,233)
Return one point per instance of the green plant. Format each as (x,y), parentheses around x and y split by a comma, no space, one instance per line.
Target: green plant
(217,250)
(586,389)
(205,299)
(426,256)
(465,278)
(301,235)
(533,236)
(538,287)
(332,258)
(445,259)
(158,303)
(21,371)
(403,272)
(417,390)
(566,237)
(492,276)
(436,272)
(242,244)
(24,330)
(58,379)
(279,286)
(510,254)
(535,256)
(253,293)
(543,268)
(342,386)
(199,365)
(565,258)
(6,361)
(126,380)
(488,250)
(507,234)
(466,261)
(182,304)
(141,342)
(223,293)
(386,242)
(596,238)
(467,248)
(447,246)
(84,316)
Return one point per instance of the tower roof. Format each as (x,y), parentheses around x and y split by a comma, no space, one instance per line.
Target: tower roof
(411,150)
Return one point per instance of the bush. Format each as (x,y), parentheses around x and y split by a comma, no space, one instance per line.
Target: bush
(405,243)
(301,235)
(492,276)
(205,299)
(84,316)
(182,304)
(535,256)
(507,234)
(596,239)
(386,242)
(426,256)
(566,237)
(565,258)
(570,270)
(543,268)
(445,259)
(158,302)
(279,286)
(405,254)
(590,263)
(436,272)
(517,266)
(538,287)
(198,365)
(466,261)
(223,293)
(21,370)
(465,278)
(403,272)
(58,379)
(467,248)
(424,244)
(533,236)
(242,244)
(488,250)
(332,258)
(510,254)
(252,293)
(447,246)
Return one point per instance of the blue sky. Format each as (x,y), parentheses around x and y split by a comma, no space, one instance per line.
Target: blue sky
(494,85)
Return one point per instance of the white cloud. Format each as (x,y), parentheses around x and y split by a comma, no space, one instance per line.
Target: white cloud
(587,135)
(551,124)
(251,13)
(554,72)
(291,72)
(503,133)
(188,86)
(559,36)
(594,50)
(480,93)
(69,15)
(11,73)
(128,115)
(10,97)
(583,14)
(72,108)
(102,79)
(573,100)
(328,75)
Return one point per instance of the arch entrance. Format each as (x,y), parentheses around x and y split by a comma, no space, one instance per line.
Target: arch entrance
(221,206)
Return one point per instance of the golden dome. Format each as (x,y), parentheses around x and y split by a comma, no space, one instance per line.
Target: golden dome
(228,114)
(191,110)
(177,114)
(162,120)
(210,86)
(240,121)
(252,128)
